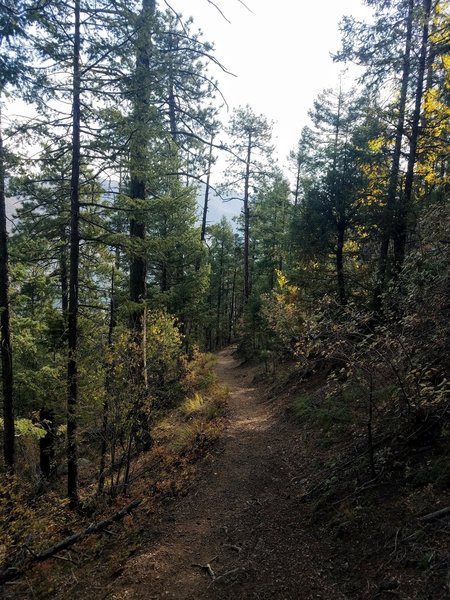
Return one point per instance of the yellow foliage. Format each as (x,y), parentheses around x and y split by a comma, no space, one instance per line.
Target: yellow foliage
(282,280)
(351,246)
(193,404)
(434,146)
(376,144)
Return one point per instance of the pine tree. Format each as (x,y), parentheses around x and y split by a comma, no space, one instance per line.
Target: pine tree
(250,149)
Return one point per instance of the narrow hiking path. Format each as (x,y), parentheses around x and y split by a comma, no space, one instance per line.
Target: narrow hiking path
(241,518)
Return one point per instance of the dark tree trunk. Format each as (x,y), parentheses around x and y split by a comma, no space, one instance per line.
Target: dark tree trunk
(138,271)
(171,99)
(247,221)
(5,331)
(138,161)
(340,263)
(339,201)
(47,443)
(72,368)
(139,149)
(392,192)
(232,307)
(64,285)
(297,181)
(401,225)
(164,284)
(206,199)
(108,390)
(219,301)
(273,250)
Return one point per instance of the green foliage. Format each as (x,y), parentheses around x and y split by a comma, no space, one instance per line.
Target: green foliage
(332,414)
(200,374)
(434,471)
(164,365)
(282,313)
(27,428)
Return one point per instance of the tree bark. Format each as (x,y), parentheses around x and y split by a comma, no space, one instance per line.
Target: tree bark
(389,211)
(5,328)
(340,206)
(171,99)
(108,389)
(138,161)
(219,299)
(72,367)
(139,149)
(206,199)
(340,263)
(297,181)
(232,306)
(401,226)
(247,221)
(47,443)
(64,284)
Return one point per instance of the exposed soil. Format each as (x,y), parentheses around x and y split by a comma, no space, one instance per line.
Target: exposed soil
(278,511)
(240,518)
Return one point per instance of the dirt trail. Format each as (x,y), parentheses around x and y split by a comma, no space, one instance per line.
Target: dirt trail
(243,517)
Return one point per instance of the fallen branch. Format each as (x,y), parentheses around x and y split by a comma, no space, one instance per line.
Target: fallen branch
(208,567)
(227,573)
(438,514)
(65,559)
(234,547)
(14,572)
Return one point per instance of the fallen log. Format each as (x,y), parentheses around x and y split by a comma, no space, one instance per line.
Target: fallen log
(13,572)
(438,514)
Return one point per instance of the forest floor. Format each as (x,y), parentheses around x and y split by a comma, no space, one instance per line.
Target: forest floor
(239,520)
(264,520)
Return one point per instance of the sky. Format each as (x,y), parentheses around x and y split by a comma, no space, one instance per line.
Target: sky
(279,52)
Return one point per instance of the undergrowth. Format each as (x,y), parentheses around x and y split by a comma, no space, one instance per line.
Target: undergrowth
(182,437)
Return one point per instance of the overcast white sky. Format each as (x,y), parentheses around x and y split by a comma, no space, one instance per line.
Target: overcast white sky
(280,54)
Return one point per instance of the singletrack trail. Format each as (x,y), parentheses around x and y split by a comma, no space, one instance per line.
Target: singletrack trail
(243,518)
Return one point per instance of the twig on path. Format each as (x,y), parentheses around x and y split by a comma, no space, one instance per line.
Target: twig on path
(234,547)
(396,541)
(230,572)
(65,559)
(208,567)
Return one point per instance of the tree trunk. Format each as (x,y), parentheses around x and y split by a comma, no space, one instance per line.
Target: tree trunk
(232,307)
(297,181)
(139,148)
(108,389)
(219,300)
(5,330)
(138,161)
(340,263)
(206,199)
(389,211)
(247,221)
(72,369)
(171,98)
(401,225)
(47,443)
(64,284)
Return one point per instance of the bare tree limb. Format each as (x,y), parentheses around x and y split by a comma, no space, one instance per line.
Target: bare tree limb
(13,572)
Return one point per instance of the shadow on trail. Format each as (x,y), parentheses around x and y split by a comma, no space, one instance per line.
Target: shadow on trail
(238,534)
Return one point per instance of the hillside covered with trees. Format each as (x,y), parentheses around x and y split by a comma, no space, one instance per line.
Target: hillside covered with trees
(116,290)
